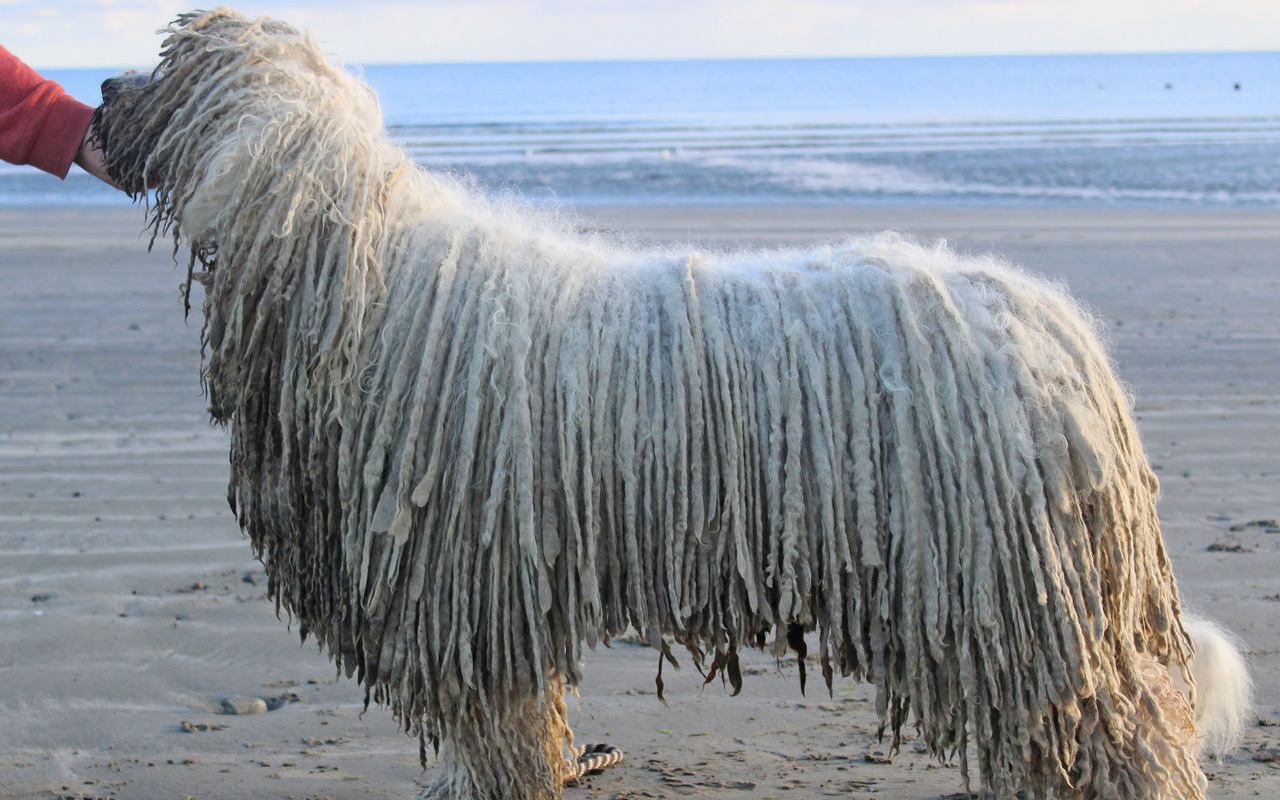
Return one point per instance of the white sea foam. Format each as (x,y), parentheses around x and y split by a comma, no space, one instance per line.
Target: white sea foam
(853,178)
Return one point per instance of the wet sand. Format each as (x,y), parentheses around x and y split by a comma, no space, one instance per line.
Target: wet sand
(130,603)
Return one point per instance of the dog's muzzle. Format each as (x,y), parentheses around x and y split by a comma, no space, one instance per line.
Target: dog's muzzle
(125,81)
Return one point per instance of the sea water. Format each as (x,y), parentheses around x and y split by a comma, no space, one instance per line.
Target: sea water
(1169,130)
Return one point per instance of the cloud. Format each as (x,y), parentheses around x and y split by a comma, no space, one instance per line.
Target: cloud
(122,32)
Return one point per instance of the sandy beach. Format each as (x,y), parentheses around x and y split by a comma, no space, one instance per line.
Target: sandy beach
(130,604)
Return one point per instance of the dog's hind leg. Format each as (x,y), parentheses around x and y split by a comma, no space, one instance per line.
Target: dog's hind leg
(520,750)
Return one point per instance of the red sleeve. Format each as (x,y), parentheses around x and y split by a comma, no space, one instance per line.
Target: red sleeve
(40,124)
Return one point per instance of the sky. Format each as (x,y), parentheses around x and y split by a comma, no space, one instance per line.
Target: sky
(111,33)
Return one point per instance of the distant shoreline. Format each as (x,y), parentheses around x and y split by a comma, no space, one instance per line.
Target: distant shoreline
(54,70)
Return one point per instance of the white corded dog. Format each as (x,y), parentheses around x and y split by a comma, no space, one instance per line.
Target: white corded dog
(466,441)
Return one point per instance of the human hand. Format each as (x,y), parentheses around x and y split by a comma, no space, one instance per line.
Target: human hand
(92,160)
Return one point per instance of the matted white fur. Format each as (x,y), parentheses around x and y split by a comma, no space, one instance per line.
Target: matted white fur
(465,441)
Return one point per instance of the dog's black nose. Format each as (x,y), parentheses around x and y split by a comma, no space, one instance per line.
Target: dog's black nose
(132,79)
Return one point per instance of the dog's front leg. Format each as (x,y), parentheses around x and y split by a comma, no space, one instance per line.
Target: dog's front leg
(517,750)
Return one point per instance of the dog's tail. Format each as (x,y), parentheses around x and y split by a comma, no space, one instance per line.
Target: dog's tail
(1224,691)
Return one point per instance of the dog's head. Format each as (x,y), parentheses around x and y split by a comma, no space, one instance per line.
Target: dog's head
(127,150)
(139,112)
(226,118)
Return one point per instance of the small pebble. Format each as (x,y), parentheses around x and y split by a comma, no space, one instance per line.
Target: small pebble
(244,705)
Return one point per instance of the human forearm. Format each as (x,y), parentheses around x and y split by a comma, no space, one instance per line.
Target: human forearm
(40,124)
